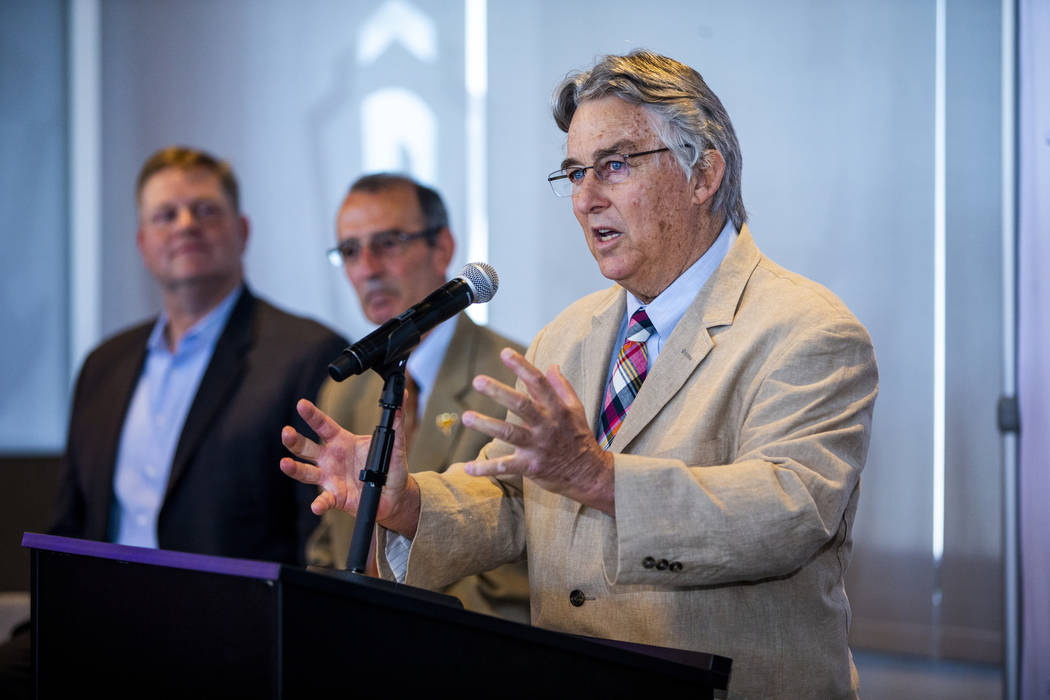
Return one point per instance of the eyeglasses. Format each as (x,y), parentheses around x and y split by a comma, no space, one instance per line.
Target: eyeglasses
(384,244)
(609,170)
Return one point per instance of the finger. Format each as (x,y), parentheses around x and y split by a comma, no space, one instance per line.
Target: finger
(398,465)
(511,399)
(326,428)
(507,432)
(306,473)
(537,384)
(517,363)
(399,430)
(299,445)
(324,502)
(563,388)
(494,467)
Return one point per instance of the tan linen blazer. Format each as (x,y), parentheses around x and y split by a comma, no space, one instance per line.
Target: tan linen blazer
(440,440)
(737,474)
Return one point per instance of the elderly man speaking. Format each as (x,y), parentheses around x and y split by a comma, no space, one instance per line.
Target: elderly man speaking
(684,469)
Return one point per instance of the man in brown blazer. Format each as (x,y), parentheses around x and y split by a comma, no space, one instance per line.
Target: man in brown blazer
(683,451)
(395,247)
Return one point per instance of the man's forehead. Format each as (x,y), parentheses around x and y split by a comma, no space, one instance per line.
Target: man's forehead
(621,146)
(366,212)
(606,126)
(174,182)
(195,174)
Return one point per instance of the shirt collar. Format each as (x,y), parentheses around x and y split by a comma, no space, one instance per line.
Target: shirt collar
(205,331)
(425,361)
(667,309)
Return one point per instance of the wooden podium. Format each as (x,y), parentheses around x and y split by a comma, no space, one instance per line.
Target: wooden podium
(133,622)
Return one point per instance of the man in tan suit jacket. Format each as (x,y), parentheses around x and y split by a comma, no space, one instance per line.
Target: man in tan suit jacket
(391,268)
(719,518)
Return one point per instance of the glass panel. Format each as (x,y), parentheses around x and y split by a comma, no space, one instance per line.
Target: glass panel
(33,267)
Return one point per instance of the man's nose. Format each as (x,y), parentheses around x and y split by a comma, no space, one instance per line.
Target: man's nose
(368,261)
(185,218)
(589,195)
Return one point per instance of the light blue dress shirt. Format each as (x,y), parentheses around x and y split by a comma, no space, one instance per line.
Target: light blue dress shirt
(425,361)
(152,427)
(667,309)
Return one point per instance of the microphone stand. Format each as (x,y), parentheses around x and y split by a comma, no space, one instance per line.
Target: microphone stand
(377,464)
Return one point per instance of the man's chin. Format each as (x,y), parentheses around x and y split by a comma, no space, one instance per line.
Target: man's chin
(197,279)
(380,313)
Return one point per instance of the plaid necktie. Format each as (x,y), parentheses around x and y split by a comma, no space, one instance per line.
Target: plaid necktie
(632,364)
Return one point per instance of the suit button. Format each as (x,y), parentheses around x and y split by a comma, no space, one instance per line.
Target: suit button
(648,562)
(675,567)
(576,597)
(661,565)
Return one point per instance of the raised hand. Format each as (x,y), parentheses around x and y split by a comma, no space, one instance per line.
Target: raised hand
(336,462)
(554,444)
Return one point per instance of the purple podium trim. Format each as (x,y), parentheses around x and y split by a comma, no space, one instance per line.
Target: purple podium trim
(155,557)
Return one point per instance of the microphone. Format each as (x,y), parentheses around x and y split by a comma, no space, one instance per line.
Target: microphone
(476,283)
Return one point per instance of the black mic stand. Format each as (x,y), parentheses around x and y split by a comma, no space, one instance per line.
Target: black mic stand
(377,465)
(399,343)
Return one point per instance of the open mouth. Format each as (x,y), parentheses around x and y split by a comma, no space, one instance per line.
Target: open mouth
(606,234)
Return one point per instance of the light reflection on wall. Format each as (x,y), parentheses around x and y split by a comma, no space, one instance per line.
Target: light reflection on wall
(398,133)
(400,21)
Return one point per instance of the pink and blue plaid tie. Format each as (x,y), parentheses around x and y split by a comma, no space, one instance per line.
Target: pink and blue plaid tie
(632,364)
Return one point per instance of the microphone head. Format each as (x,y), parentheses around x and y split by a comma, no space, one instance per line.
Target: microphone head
(482,280)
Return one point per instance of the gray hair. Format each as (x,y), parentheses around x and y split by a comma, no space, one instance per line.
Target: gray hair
(435,215)
(685,113)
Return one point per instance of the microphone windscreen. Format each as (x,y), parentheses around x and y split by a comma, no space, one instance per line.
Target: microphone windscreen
(482,279)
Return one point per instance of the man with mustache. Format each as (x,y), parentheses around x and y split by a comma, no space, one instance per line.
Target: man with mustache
(395,246)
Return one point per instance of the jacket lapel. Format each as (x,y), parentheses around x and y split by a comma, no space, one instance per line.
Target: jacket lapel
(597,352)
(690,342)
(434,445)
(222,376)
(110,409)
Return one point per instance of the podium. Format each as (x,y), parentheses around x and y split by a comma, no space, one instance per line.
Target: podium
(134,622)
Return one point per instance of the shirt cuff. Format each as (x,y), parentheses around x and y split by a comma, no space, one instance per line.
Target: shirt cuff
(397,549)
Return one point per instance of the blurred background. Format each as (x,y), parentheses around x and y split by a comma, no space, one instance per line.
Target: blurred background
(879,159)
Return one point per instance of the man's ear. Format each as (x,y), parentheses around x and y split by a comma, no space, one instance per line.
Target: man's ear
(444,248)
(245,229)
(709,172)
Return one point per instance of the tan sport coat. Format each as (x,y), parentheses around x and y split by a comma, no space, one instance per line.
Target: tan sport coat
(440,439)
(737,478)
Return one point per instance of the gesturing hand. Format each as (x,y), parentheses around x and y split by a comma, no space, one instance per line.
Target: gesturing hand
(336,462)
(554,444)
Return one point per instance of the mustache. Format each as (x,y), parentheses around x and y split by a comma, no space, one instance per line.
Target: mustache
(371,287)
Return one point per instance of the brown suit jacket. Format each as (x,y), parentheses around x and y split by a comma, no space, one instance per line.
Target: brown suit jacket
(440,440)
(737,479)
